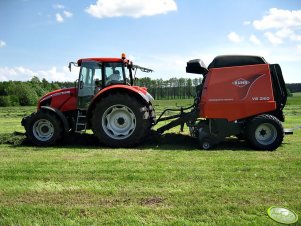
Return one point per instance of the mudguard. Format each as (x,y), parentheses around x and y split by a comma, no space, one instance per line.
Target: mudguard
(142,91)
(59,114)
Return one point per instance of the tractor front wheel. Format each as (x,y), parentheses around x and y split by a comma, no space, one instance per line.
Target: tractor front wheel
(120,120)
(265,132)
(43,128)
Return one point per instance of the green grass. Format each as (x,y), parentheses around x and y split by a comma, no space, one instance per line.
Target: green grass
(166,181)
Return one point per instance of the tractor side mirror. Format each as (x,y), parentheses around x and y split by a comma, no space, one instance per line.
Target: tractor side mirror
(70,64)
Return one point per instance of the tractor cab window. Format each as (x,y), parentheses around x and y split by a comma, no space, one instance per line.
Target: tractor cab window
(90,81)
(114,73)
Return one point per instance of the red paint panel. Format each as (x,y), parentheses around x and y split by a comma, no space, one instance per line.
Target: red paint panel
(237,92)
(70,104)
(62,99)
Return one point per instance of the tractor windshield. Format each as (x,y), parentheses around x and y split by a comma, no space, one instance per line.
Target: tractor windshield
(114,73)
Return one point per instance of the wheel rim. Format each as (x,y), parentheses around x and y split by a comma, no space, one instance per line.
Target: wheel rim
(119,122)
(43,130)
(206,145)
(266,133)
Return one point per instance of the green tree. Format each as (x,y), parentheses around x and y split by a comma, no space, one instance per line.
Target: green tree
(35,79)
(4,101)
(27,96)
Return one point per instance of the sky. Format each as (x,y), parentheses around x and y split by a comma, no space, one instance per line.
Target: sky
(39,38)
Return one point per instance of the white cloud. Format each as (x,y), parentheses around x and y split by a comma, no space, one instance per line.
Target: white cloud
(24,74)
(7,73)
(288,33)
(2,44)
(280,25)
(254,40)
(295,37)
(299,47)
(234,37)
(275,40)
(284,33)
(130,8)
(278,19)
(58,6)
(67,14)
(59,18)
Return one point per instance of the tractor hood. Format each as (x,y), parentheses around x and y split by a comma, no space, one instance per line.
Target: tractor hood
(56,94)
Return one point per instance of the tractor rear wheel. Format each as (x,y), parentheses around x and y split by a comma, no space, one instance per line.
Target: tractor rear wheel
(43,129)
(265,132)
(120,120)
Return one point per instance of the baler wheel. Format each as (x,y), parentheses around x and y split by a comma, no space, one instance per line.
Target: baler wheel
(206,143)
(120,120)
(265,132)
(43,129)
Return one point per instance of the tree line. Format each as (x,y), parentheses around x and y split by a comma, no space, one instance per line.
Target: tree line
(294,87)
(173,88)
(16,93)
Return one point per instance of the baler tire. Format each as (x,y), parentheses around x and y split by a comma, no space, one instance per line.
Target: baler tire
(119,120)
(206,143)
(261,126)
(43,129)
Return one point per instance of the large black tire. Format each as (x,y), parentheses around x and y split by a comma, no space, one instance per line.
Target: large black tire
(265,132)
(43,128)
(120,120)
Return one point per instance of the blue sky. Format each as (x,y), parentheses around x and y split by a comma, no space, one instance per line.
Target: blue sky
(41,37)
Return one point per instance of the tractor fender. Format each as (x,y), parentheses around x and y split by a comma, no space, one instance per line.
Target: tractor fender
(136,90)
(142,91)
(59,114)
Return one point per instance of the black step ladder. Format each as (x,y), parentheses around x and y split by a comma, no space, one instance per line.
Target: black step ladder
(81,122)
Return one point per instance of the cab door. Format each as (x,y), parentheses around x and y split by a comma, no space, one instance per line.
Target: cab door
(90,77)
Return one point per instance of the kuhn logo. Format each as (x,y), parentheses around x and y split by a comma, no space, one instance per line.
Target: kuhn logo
(241,82)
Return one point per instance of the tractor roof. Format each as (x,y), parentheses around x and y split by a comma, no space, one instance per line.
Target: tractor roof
(99,60)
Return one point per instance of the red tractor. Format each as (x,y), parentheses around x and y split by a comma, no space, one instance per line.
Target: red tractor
(104,100)
(240,96)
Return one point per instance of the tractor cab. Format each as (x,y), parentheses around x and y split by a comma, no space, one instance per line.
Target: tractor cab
(98,73)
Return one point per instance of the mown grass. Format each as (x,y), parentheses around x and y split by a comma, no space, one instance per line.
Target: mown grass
(168,180)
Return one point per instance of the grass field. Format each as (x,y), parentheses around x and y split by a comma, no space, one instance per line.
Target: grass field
(166,181)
